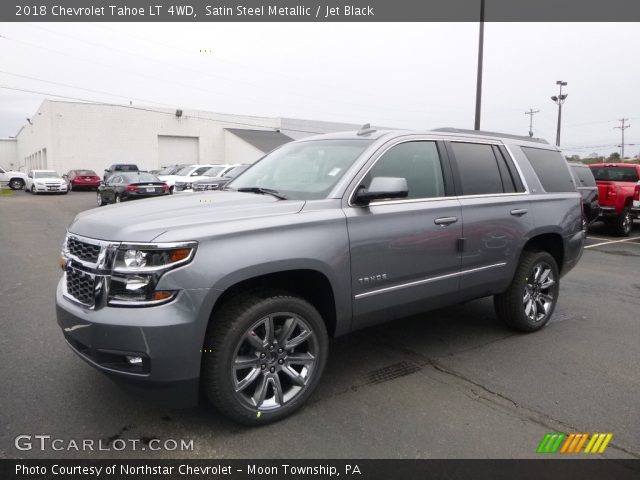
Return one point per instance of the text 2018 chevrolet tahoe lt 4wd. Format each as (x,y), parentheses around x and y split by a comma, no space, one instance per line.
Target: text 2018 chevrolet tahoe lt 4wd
(236,292)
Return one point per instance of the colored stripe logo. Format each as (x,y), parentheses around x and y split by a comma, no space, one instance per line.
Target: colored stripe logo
(573,443)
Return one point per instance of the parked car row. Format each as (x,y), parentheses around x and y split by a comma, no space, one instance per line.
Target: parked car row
(610,191)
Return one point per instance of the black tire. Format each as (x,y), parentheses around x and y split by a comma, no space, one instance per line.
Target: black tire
(16,184)
(33,190)
(117,198)
(518,306)
(99,200)
(232,336)
(623,223)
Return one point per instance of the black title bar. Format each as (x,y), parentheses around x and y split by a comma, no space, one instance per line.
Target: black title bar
(318,11)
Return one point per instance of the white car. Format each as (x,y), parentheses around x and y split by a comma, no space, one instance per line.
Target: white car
(15,180)
(184,182)
(45,181)
(187,171)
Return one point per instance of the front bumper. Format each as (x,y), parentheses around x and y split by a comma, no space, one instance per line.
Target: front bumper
(50,188)
(168,338)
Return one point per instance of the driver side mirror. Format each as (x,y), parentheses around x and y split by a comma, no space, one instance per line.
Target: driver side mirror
(382,188)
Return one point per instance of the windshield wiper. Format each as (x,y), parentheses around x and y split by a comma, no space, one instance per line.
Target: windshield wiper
(268,191)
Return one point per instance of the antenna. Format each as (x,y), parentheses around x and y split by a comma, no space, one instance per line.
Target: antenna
(366,130)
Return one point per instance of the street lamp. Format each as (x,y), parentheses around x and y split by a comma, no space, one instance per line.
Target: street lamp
(559,100)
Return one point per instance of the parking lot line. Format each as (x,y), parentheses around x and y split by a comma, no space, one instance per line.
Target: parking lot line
(612,241)
(591,237)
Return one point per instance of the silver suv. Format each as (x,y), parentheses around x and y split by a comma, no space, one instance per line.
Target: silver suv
(237,292)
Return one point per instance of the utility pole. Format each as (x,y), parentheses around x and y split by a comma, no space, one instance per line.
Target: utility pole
(531,113)
(479,79)
(622,128)
(559,100)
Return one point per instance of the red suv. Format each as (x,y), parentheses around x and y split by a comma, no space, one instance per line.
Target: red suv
(78,179)
(617,189)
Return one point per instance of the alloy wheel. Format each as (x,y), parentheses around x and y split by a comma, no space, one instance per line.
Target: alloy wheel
(538,295)
(274,361)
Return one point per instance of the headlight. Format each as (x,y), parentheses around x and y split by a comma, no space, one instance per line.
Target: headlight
(138,268)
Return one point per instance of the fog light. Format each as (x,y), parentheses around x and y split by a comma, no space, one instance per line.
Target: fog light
(134,360)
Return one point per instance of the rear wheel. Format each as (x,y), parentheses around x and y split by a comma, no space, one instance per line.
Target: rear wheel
(117,198)
(263,357)
(528,303)
(100,200)
(623,224)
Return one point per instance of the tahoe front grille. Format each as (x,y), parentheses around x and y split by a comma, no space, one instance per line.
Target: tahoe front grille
(81,286)
(84,251)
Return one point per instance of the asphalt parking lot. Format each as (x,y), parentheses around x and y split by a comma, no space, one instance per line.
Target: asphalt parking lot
(449,384)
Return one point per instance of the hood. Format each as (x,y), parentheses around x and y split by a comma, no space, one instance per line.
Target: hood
(144,220)
(212,180)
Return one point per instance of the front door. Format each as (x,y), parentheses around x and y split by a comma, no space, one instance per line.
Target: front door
(404,256)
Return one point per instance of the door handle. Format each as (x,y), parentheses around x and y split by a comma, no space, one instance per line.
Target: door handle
(519,212)
(444,221)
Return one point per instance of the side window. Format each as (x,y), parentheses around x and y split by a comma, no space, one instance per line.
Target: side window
(200,171)
(417,162)
(551,168)
(478,169)
(584,176)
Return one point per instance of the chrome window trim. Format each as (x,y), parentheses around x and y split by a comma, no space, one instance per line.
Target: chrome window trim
(426,280)
(398,141)
(518,169)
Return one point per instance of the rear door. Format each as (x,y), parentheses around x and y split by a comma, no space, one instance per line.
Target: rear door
(404,256)
(495,215)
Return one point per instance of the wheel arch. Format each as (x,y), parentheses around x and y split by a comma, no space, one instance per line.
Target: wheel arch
(312,284)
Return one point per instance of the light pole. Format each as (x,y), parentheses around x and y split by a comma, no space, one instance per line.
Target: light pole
(559,100)
(531,113)
(479,78)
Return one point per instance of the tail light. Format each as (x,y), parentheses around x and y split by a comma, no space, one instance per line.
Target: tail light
(636,192)
(165,187)
(131,188)
(611,192)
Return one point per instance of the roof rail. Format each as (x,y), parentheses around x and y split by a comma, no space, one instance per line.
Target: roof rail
(491,134)
(365,130)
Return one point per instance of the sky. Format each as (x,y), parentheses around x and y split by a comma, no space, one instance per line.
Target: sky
(405,75)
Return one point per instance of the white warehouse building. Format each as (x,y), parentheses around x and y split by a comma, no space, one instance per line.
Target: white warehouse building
(64,136)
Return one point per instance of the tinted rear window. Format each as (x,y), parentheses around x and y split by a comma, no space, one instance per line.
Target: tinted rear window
(551,168)
(139,177)
(583,175)
(86,173)
(126,168)
(615,174)
(478,168)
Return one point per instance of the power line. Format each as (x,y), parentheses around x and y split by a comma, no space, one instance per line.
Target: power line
(622,128)
(531,113)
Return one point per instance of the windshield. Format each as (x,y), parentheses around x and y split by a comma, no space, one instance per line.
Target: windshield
(47,174)
(213,171)
(304,170)
(615,174)
(235,171)
(139,177)
(172,170)
(184,171)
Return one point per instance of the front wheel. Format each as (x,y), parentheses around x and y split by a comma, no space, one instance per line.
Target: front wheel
(16,184)
(33,190)
(263,357)
(528,303)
